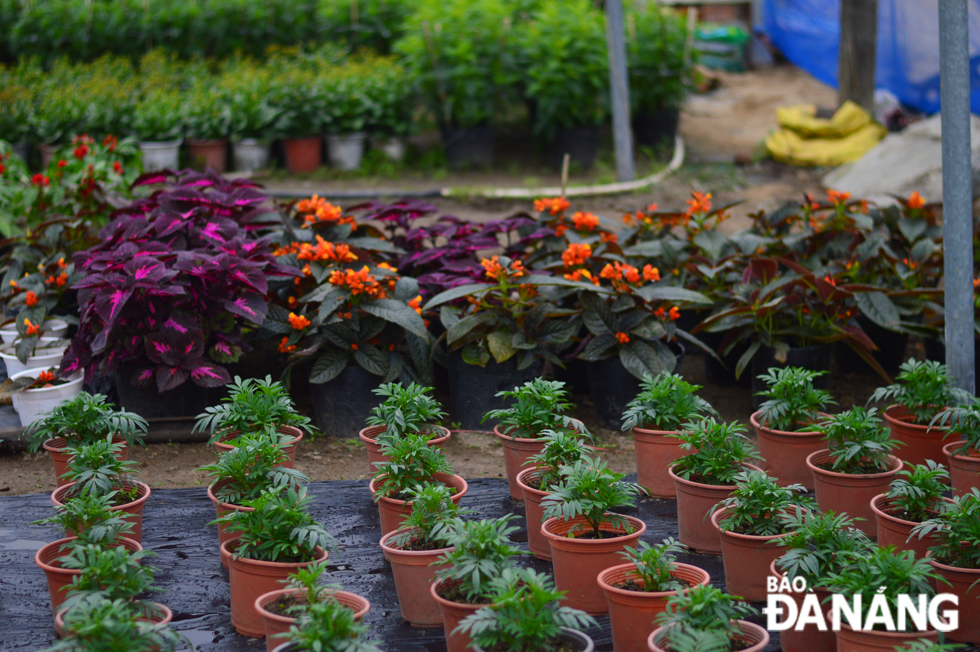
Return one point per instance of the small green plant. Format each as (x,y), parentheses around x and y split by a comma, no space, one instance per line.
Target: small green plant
(858,443)
(820,544)
(254,406)
(481,551)
(759,506)
(433,512)
(411,462)
(653,564)
(719,451)
(86,419)
(538,406)
(958,530)
(307,580)
(406,410)
(329,626)
(962,421)
(792,402)
(524,615)
(665,402)
(924,389)
(917,493)
(252,467)
(91,518)
(925,645)
(114,572)
(98,624)
(97,470)
(590,490)
(702,613)
(279,528)
(562,447)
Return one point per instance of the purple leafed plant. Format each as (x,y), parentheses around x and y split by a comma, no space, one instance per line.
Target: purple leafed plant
(174,282)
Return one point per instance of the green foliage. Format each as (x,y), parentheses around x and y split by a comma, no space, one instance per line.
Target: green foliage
(525,615)
(252,467)
(86,419)
(307,580)
(253,406)
(958,530)
(665,402)
(703,610)
(924,389)
(590,490)
(963,422)
(792,403)
(433,513)
(760,507)
(858,443)
(538,406)
(97,624)
(481,551)
(90,517)
(561,447)
(96,470)
(654,564)
(411,462)
(819,545)
(406,410)
(329,626)
(655,49)
(918,490)
(114,572)
(925,645)
(719,451)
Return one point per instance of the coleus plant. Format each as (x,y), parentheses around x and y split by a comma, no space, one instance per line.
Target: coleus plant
(177,278)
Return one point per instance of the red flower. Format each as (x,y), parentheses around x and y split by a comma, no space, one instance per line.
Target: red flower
(674,313)
(117,168)
(3,168)
(110,142)
(622,338)
(40,180)
(31,328)
(285,347)
(30,299)
(81,152)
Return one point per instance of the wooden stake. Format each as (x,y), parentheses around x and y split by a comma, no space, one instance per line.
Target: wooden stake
(564,172)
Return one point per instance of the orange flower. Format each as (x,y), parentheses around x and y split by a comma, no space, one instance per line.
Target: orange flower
(416,304)
(659,312)
(291,301)
(285,347)
(628,217)
(911,264)
(31,328)
(976,282)
(553,205)
(576,254)
(651,273)
(830,279)
(699,203)
(915,200)
(353,347)
(616,272)
(388,267)
(674,313)
(609,237)
(836,197)
(61,279)
(30,299)
(579,273)
(622,338)
(45,377)
(298,322)
(517,269)
(492,267)
(585,221)
(311,205)
(307,271)
(291,248)
(652,207)
(359,282)
(631,274)
(391,347)
(560,230)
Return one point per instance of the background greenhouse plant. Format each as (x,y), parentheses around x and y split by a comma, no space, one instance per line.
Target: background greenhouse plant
(653,564)
(665,402)
(792,403)
(659,64)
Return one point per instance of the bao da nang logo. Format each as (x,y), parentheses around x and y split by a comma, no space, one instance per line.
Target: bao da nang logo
(908,613)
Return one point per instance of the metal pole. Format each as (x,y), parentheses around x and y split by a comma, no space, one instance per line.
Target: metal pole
(619,90)
(957,190)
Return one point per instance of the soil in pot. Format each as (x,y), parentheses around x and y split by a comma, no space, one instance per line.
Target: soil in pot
(581,144)
(850,640)
(473,389)
(185,400)
(963,584)
(850,493)
(342,405)
(814,358)
(578,560)
(894,528)
(921,442)
(746,559)
(655,450)
(964,470)
(60,578)
(517,451)
(303,155)
(125,502)
(783,454)
(275,609)
(694,500)
(752,639)
(292,432)
(60,459)
(612,387)
(414,573)
(808,638)
(468,148)
(394,511)
(375,456)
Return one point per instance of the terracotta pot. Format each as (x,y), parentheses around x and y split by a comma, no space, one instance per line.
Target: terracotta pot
(223,508)
(134,509)
(921,442)
(784,453)
(59,578)
(250,578)
(414,573)
(851,493)
(894,531)
(655,451)
(375,456)
(809,638)
(573,640)
(303,155)
(211,154)
(161,616)
(849,640)
(277,627)
(394,512)
(453,613)
(537,542)
(290,449)
(964,470)
(60,459)
(961,584)
(517,451)
(632,614)
(577,562)
(694,501)
(746,559)
(753,636)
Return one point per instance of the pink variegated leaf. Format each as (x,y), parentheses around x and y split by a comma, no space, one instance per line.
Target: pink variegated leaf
(170,377)
(109,304)
(252,307)
(210,376)
(153,178)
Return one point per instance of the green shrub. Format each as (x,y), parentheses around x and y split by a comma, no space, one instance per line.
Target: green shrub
(659,74)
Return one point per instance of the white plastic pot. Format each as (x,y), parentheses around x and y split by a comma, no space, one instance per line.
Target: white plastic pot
(393,148)
(48,358)
(345,152)
(53,329)
(250,154)
(161,155)
(32,403)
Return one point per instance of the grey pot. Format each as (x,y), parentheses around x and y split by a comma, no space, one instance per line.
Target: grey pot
(250,154)
(161,155)
(345,152)
(393,148)
(23,150)
(579,640)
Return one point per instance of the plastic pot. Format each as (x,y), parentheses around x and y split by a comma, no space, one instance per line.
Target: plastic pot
(851,493)
(161,616)
(517,451)
(577,562)
(277,627)
(291,433)
(814,358)
(60,459)
(394,512)
(894,531)
(32,403)
(473,388)
(303,155)
(48,153)
(471,147)
(453,613)
(850,640)
(23,150)
(723,373)
(580,143)
(576,640)
(250,578)
(964,470)
(46,359)
(962,585)
(753,637)
(656,128)
(342,405)
(632,614)
(921,442)
(808,638)
(694,500)
(784,453)
(346,151)
(393,148)
(222,508)
(414,572)
(612,387)
(537,542)
(60,578)
(209,154)
(51,328)
(655,450)
(250,154)
(185,400)
(161,155)
(890,354)
(375,456)
(746,559)
(133,509)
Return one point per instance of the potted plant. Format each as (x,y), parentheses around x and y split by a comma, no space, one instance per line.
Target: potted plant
(525,616)
(784,423)
(283,608)
(328,627)
(856,467)
(392,99)
(718,453)
(481,550)
(561,447)
(586,536)
(404,411)
(923,391)
(32,352)
(414,551)
(638,591)
(664,404)
(207,123)
(252,113)
(411,462)
(750,523)
(158,123)
(346,118)
(915,495)
(90,518)
(278,537)
(254,407)
(36,392)
(962,456)
(98,623)
(299,121)
(704,618)
(537,406)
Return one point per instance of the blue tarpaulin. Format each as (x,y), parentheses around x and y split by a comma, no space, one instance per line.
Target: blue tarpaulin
(808,33)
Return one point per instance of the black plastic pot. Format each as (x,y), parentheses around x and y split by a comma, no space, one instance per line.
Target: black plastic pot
(472,147)
(890,354)
(656,129)
(723,373)
(612,387)
(575,375)
(342,405)
(186,400)
(472,388)
(814,358)
(580,143)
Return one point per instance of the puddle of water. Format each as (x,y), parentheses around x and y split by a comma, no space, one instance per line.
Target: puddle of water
(23,544)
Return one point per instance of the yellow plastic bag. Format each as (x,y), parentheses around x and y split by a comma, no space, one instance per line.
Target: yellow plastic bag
(804,139)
